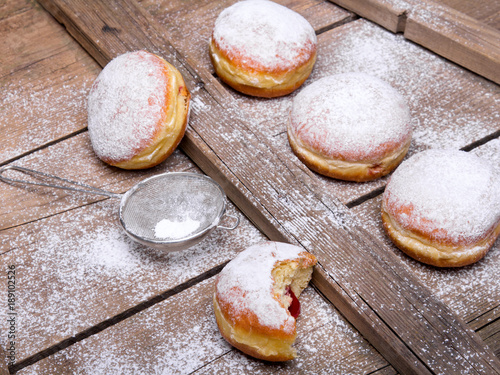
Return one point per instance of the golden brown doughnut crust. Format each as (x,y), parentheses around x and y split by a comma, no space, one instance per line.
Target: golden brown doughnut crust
(174,124)
(435,253)
(248,341)
(251,303)
(265,84)
(442,207)
(262,48)
(348,170)
(138,111)
(350,126)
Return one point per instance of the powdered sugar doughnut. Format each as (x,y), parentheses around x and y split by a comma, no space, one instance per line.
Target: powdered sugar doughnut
(262,48)
(137,111)
(350,126)
(255,299)
(442,207)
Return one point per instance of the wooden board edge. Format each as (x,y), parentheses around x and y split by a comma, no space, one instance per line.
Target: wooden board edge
(389,16)
(386,342)
(445,31)
(456,37)
(131,3)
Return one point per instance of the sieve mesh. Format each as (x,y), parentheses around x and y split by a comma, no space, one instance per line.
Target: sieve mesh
(175,197)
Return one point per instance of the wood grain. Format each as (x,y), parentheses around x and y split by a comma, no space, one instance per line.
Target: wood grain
(193,21)
(473,292)
(78,272)
(43,89)
(450,107)
(337,247)
(488,12)
(75,160)
(465,40)
(388,14)
(179,335)
(4,370)
(457,37)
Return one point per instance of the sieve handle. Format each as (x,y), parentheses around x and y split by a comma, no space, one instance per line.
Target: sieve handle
(80,187)
(235,218)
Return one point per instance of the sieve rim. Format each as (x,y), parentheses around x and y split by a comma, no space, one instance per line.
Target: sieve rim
(175,243)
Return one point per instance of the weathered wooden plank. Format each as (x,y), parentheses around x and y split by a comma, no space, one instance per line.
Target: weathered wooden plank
(457,37)
(75,160)
(454,35)
(77,271)
(473,292)
(43,89)
(390,14)
(487,11)
(491,336)
(305,218)
(484,319)
(162,340)
(470,292)
(450,107)
(4,370)
(189,23)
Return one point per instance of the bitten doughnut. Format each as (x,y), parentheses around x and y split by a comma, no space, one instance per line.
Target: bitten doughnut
(261,48)
(350,126)
(442,207)
(138,110)
(255,299)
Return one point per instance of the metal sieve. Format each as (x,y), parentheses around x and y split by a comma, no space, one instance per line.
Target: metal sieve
(169,211)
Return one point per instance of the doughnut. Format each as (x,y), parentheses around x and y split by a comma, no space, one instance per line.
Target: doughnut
(261,48)
(442,207)
(255,299)
(138,109)
(350,126)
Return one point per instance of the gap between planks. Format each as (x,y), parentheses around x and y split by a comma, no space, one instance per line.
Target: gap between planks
(443,30)
(115,319)
(115,46)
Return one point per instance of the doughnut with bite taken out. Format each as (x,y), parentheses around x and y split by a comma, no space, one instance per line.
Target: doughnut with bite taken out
(138,109)
(255,299)
(442,207)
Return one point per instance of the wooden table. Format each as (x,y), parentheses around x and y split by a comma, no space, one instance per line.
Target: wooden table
(89,301)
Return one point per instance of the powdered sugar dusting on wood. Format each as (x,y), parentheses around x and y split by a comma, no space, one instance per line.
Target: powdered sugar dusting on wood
(443,112)
(470,291)
(177,345)
(85,253)
(438,92)
(40,113)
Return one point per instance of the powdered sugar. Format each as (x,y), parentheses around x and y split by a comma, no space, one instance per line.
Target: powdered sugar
(125,105)
(250,274)
(264,35)
(352,116)
(160,340)
(453,191)
(176,229)
(79,268)
(36,114)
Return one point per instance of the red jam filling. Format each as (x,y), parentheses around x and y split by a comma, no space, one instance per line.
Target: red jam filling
(294,307)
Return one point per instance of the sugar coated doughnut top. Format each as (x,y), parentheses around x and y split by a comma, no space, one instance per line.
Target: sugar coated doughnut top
(448,194)
(246,283)
(264,35)
(126,105)
(351,116)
